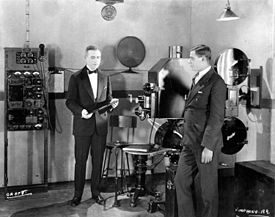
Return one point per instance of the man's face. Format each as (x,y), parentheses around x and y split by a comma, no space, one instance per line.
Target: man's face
(93,59)
(195,61)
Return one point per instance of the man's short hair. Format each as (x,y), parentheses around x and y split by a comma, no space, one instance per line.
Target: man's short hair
(202,50)
(91,47)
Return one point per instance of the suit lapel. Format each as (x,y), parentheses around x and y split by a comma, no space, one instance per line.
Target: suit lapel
(201,84)
(194,91)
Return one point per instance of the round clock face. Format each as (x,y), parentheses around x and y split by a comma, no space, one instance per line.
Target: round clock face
(108,12)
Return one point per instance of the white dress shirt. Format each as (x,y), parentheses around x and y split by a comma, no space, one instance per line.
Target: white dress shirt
(93,77)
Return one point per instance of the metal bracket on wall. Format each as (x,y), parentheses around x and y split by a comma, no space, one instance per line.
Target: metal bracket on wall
(255,87)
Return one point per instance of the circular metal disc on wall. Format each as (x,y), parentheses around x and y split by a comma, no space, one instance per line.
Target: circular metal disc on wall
(108,12)
(130,51)
(233,66)
(166,136)
(234,135)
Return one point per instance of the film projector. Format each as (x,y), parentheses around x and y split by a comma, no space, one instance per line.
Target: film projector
(169,81)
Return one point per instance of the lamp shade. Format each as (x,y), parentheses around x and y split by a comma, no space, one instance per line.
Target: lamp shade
(227,15)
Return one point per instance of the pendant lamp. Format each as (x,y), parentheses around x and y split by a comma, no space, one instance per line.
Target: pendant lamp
(228,14)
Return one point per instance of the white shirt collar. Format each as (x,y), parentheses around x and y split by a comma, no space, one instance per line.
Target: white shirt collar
(202,73)
(90,68)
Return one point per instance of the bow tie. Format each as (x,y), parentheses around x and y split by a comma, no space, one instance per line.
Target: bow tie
(91,72)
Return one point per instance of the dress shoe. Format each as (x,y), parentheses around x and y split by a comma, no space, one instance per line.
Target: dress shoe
(98,199)
(75,201)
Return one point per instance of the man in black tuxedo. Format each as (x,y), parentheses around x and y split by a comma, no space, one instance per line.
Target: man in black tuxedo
(88,90)
(202,139)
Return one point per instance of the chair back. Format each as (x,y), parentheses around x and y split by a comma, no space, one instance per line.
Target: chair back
(123,122)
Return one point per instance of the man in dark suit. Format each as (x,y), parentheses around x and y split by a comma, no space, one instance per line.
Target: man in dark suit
(202,139)
(89,89)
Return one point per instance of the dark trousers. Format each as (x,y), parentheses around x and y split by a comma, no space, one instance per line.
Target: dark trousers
(96,145)
(188,167)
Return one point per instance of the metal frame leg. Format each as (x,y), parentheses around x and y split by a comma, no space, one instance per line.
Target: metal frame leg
(116,203)
(128,165)
(107,157)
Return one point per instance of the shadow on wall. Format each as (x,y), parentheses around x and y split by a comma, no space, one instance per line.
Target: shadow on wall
(264,139)
(55,55)
(261,118)
(55,58)
(269,76)
(60,141)
(108,56)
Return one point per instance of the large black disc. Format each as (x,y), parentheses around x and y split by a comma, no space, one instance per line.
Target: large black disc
(130,51)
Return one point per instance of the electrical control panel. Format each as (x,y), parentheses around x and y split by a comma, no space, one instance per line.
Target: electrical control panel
(26,98)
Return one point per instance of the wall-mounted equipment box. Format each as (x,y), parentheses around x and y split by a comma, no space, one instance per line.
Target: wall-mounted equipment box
(26,109)
(255,87)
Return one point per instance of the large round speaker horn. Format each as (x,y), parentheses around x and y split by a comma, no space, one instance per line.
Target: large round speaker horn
(130,52)
(234,135)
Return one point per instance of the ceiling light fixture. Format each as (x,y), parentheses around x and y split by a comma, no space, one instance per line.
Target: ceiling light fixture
(228,14)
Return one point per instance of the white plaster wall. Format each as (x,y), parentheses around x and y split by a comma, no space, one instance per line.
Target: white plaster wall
(70,25)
